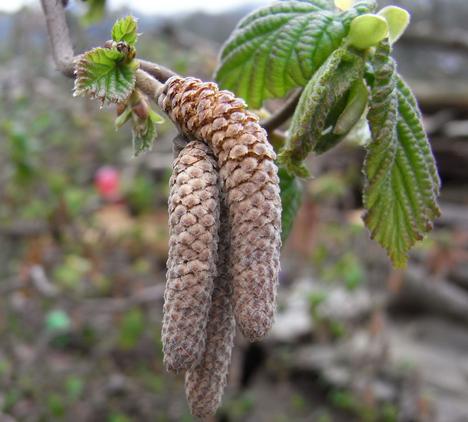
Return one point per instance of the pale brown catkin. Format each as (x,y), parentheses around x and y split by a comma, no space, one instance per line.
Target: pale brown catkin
(192,261)
(249,176)
(205,382)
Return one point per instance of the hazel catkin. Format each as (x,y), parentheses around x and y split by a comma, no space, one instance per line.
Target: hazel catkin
(205,382)
(192,260)
(249,177)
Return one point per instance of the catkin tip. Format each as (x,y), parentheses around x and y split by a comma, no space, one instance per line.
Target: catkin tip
(254,325)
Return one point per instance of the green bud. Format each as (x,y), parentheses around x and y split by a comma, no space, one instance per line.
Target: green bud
(397,19)
(367,31)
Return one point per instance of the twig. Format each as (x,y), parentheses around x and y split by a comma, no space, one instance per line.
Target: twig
(64,58)
(159,72)
(147,84)
(41,282)
(24,229)
(59,35)
(283,114)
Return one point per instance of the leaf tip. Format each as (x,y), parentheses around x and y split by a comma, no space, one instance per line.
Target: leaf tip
(400,262)
(397,19)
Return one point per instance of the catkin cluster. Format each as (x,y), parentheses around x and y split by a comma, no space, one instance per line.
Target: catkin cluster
(225,227)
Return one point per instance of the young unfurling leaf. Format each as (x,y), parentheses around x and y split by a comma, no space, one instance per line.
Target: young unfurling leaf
(340,125)
(125,30)
(144,121)
(402,185)
(104,74)
(108,74)
(355,107)
(291,198)
(323,101)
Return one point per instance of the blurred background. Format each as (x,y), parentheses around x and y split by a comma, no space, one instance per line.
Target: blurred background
(83,245)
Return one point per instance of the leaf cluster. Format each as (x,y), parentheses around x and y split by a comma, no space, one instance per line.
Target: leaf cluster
(340,54)
(109,74)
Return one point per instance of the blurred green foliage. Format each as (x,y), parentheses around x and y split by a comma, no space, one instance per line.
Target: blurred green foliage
(357,407)
(57,321)
(95,11)
(131,328)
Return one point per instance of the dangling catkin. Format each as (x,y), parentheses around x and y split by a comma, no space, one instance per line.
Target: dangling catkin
(249,177)
(191,265)
(205,382)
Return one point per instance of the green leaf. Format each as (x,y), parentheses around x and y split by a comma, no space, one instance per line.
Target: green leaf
(74,387)
(402,184)
(322,103)
(125,30)
(144,121)
(103,73)
(280,47)
(131,328)
(22,155)
(291,198)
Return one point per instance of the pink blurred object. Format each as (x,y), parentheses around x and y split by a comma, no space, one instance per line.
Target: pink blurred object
(107,182)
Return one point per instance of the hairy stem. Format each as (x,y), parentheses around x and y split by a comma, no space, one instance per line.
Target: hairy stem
(147,84)
(157,71)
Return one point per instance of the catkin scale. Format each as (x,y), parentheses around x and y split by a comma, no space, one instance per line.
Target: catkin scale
(249,177)
(205,382)
(192,261)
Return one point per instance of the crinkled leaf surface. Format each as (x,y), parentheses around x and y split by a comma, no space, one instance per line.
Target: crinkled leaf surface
(125,29)
(291,197)
(322,102)
(103,73)
(402,184)
(279,47)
